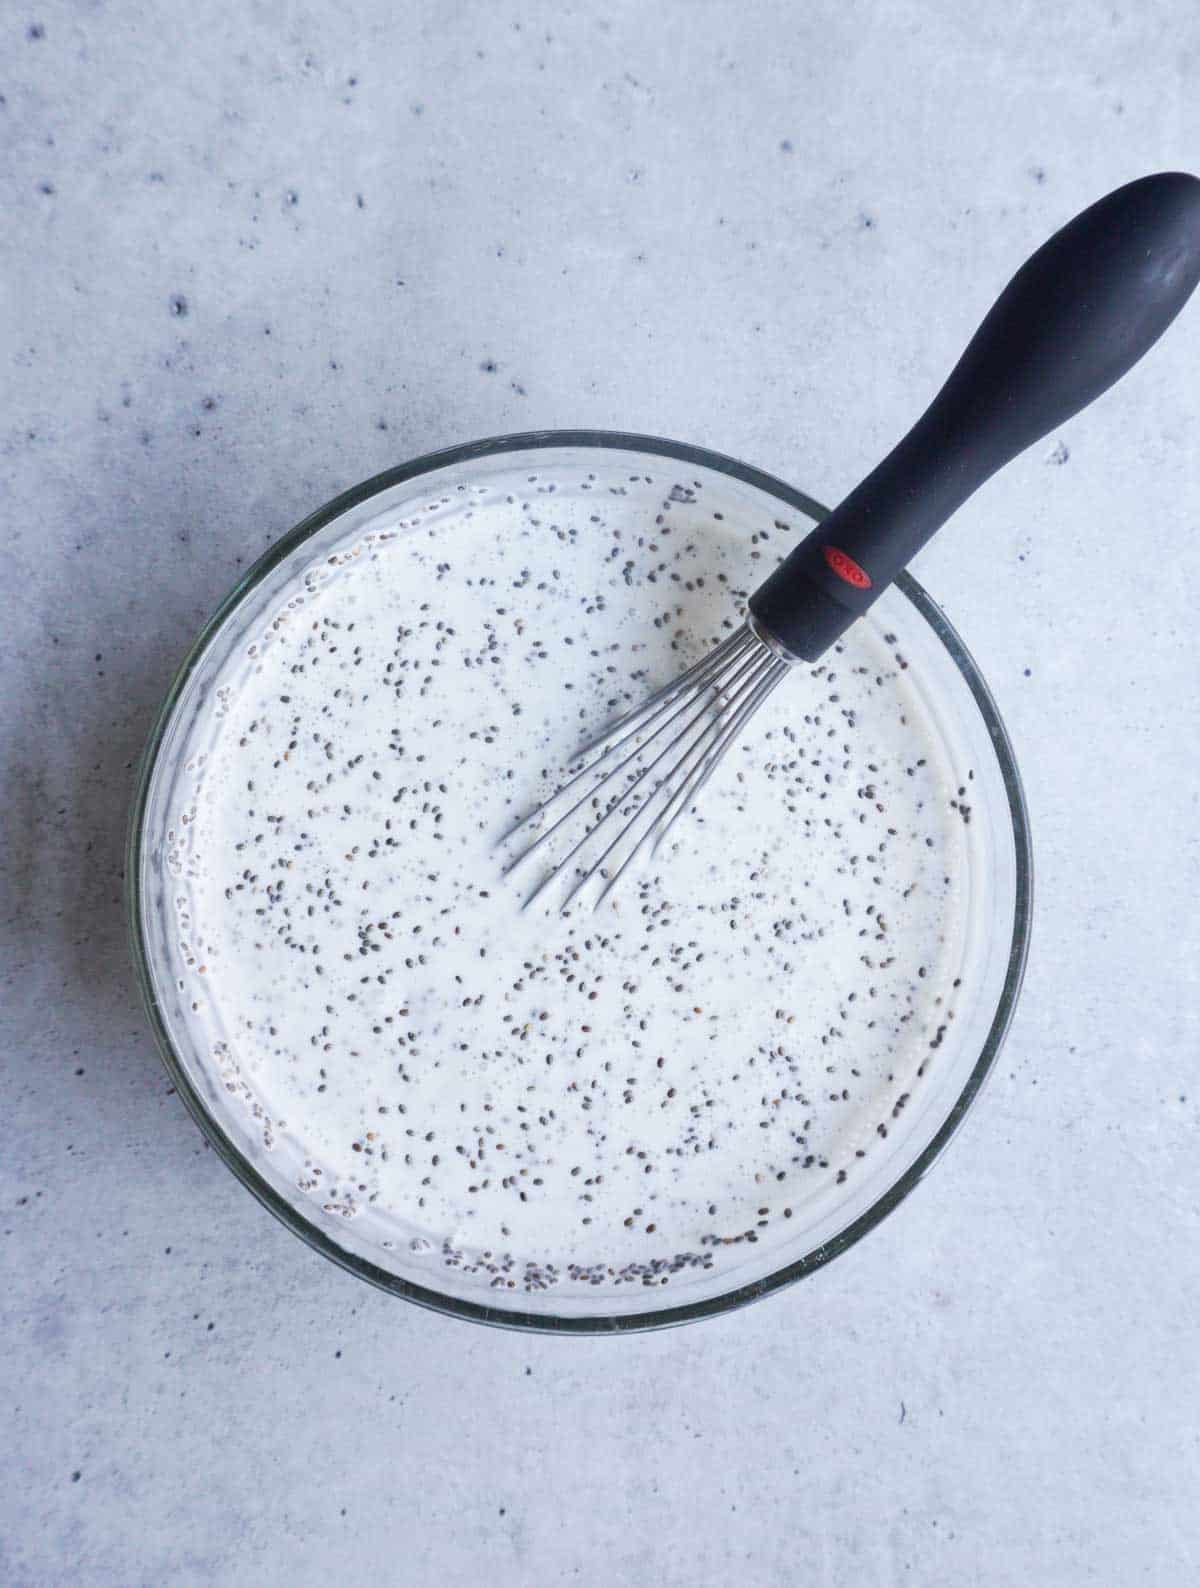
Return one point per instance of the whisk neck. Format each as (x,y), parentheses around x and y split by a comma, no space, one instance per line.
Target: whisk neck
(769,642)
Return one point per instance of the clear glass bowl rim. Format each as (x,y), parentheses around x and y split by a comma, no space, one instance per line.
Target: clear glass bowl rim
(609,440)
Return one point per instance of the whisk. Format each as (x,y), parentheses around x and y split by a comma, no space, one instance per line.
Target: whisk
(1075,318)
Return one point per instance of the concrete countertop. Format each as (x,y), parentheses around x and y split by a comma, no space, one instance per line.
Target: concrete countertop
(253,254)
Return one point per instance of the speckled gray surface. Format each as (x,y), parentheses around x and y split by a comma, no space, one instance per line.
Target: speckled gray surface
(253,254)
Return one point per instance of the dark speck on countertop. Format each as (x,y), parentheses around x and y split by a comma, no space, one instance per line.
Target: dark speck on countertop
(179,305)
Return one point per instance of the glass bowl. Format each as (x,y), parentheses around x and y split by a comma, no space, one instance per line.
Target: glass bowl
(997,912)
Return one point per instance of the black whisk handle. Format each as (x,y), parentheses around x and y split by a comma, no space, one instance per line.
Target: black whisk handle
(1070,323)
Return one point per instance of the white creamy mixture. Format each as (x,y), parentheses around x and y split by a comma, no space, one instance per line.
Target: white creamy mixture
(532,1098)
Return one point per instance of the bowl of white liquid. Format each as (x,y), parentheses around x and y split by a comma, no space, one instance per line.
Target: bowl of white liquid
(586,1121)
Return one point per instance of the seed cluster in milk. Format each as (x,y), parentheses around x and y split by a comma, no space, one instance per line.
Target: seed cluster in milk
(531,1098)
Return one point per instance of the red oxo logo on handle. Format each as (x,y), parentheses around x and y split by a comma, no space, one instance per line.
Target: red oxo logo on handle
(846,568)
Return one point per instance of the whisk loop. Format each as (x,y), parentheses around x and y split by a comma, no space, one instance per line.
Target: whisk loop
(673,742)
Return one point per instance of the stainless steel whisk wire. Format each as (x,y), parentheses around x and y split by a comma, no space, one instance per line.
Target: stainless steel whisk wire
(717,696)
